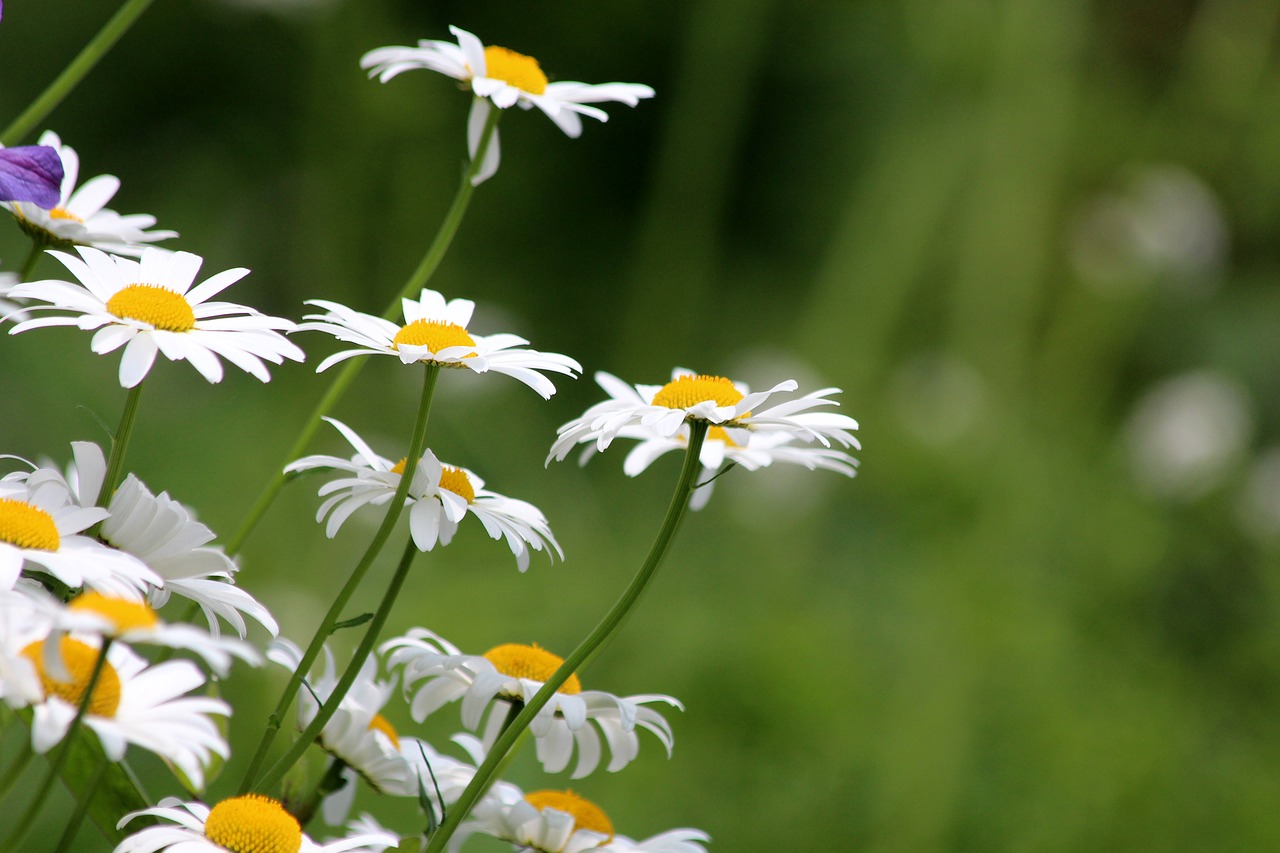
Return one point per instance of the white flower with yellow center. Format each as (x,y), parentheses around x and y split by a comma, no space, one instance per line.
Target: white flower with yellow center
(435,332)
(131,702)
(439,498)
(40,525)
(149,306)
(19,622)
(513,672)
(250,823)
(163,534)
(564,822)
(81,216)
(663,409)
(503,78)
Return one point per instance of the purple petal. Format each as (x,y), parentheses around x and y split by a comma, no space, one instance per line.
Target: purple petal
(31,173)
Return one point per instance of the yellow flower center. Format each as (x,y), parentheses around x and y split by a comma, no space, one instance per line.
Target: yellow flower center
(153,304)
(27,526)
(379,724)
(456,481)
(721,434)
(79,659)
(532,662)
(515,69)
(253,823)
(126,615)
(63,213)
(586,814)
(433,335)
(690,390)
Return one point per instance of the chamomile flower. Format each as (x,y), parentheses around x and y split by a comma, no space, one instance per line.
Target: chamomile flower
(502,78)
(163,534)
(250,823)
(149,306)
(435,332)
(564,822)
(80,216)
(19,681)
(40,525)
(131,703)
(436,672)
(439,498)
(721,402)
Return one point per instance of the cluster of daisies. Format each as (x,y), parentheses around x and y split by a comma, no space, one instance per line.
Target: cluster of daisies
(89,554)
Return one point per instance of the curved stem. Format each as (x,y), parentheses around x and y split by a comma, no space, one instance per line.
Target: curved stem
(71,76)
(60,757)
(82,808)
(33,258)
(330,706)
(119,446)
(596,639)
(349,370)
(416,445)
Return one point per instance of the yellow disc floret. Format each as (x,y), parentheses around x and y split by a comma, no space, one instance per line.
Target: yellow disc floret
(63,213)
(515,69)
(533,662)
(456,481)
(586,814)
(79,660)
(434,335)
(27,526)
(126,615)
(689,390)
(253,824)
(379,723)
(151,303)
(721,434)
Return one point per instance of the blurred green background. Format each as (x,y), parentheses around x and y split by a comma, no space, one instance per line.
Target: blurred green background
(1033,241)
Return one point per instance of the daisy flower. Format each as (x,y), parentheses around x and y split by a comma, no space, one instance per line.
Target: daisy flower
(30,173)
(564,822)
(149,306)
(163,534)
(80,216)
(664,409)
(502,78)
(435,332)
(250,823)
(19,681)
(437,672)
(40,525)
(439,498)
(132,702)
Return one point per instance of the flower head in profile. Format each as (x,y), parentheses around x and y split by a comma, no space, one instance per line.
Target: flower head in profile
(31,173)
(436,672)
(501,78)
(80,216)
(149,306)
(435,332)
(552,821)
(249,823)
(439,497)
(663,410)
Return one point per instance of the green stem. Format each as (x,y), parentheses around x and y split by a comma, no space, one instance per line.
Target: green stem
(33,258)
(13,772)
(416,445)
(71,76)
(349,370)
(330,706)
(119,446)
(597,638)
(55,764)
(82,808)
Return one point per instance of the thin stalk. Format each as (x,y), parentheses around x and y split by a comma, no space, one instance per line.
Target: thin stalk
(330,706)
(597,638)
(59,757)
(351,368)
(82,808)
(119,446)
(13,772)
(416,445)
(33,258)
(71,76)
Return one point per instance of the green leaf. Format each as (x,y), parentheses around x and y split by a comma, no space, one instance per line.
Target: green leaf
(353,622)
(116,794)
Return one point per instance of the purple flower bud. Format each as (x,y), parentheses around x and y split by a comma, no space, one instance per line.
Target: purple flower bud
(31,173)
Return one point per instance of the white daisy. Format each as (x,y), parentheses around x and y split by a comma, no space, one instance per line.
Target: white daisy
(439,498)
(504,78)
(563,822)
(19,621)
(40,523)
(513,672)
(664,409)
(250,822)
(149,306)
(81,216)
(132,702)
(435,332)
(163,534)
